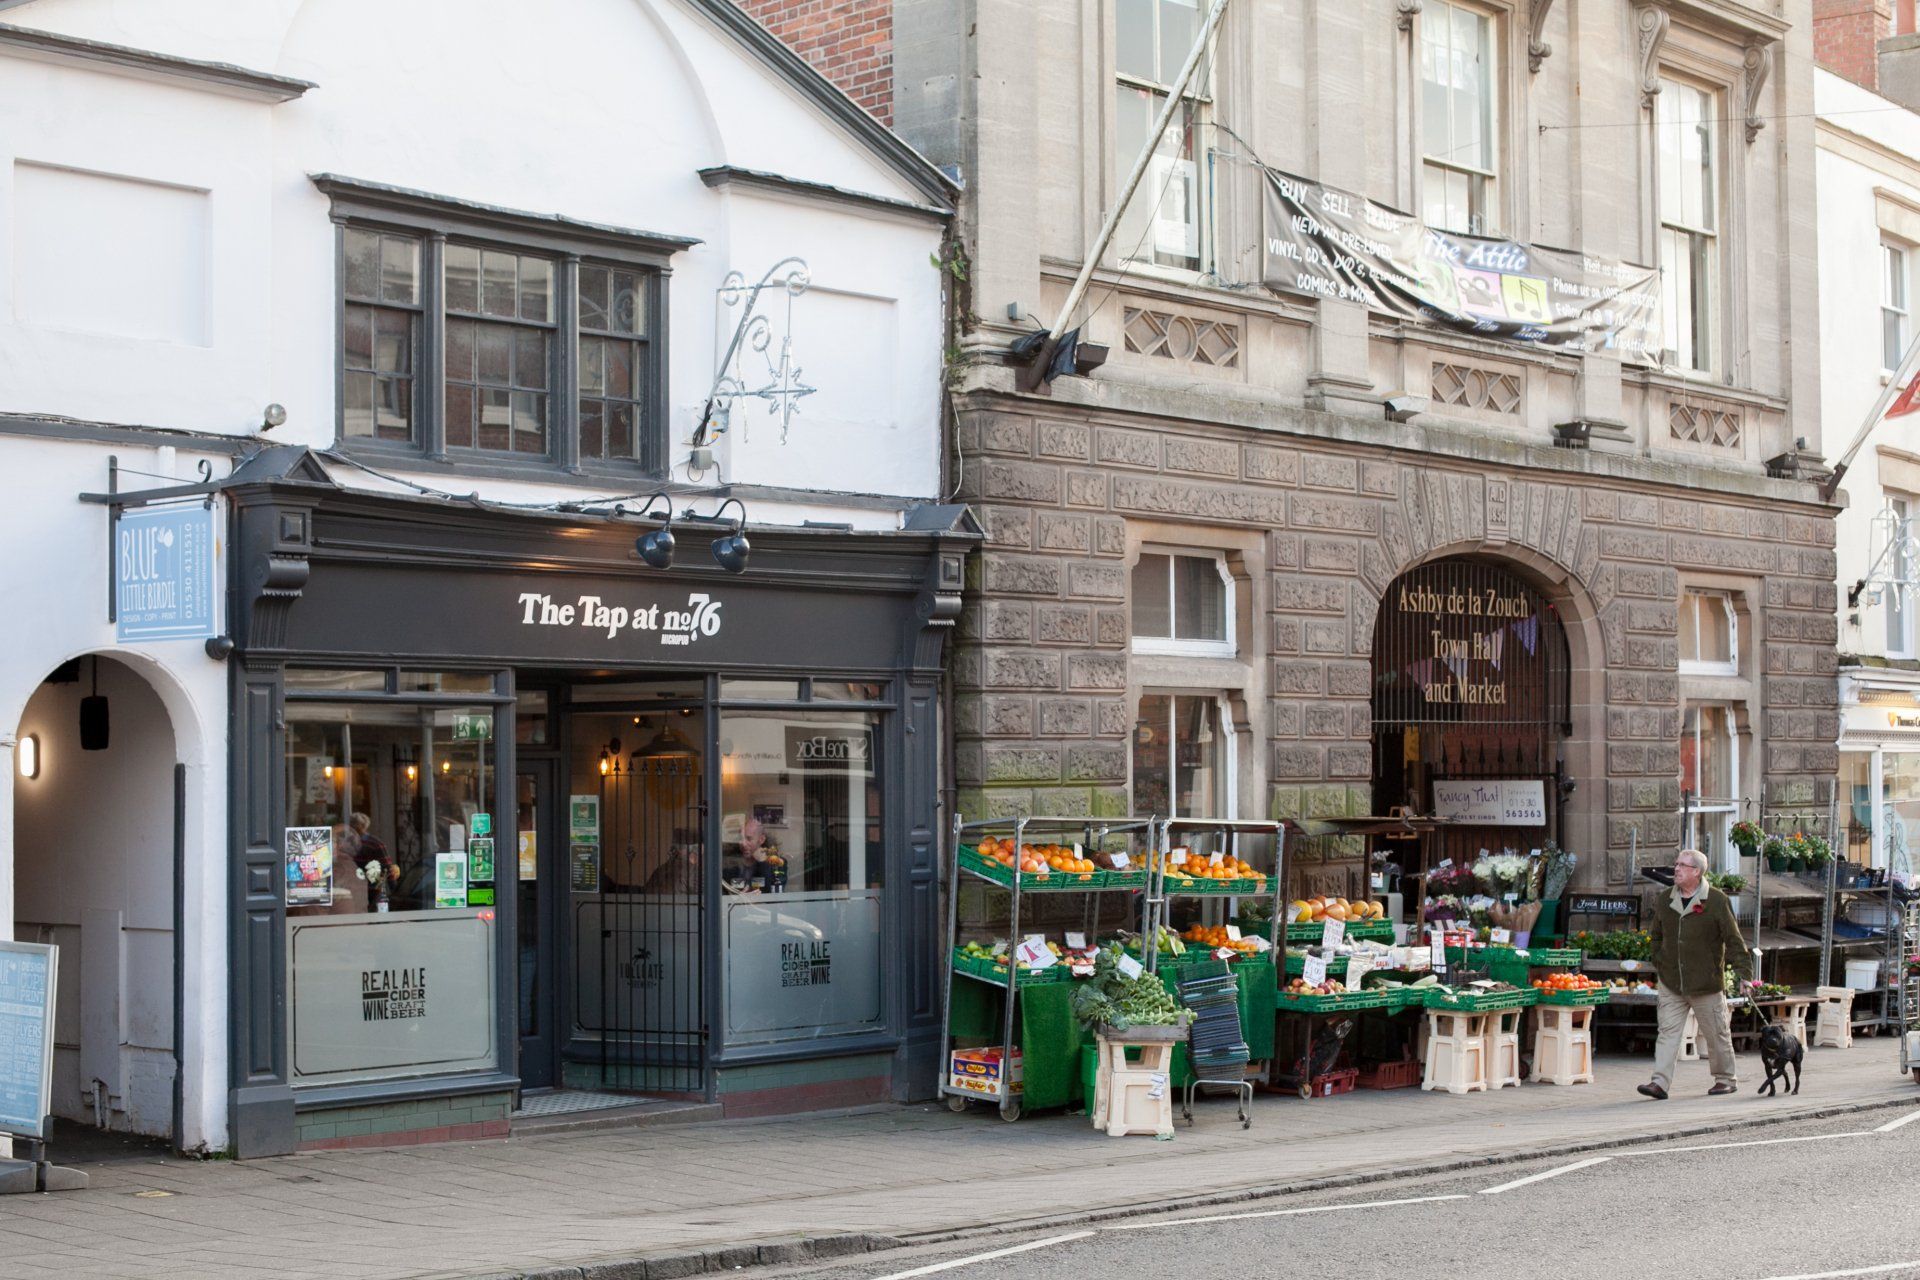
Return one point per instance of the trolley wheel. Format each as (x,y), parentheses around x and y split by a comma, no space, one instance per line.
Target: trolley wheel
(1306,1091)
(1009,1111)
(957,1105)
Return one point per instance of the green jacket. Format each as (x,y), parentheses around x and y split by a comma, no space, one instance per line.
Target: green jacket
(1691,952)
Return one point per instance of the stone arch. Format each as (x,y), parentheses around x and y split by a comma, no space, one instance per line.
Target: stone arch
(1537,531)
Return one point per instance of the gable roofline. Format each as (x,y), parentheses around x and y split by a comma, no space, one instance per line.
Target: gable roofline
(144,64)
(918,171)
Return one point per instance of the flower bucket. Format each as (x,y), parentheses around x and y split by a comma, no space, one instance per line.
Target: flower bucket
(1777,863)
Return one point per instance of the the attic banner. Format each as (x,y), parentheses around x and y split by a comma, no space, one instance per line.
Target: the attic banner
(1322,240)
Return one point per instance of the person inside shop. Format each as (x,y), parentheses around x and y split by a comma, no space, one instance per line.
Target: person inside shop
(371,849)
(1695,940)
(680,873)
(747,866)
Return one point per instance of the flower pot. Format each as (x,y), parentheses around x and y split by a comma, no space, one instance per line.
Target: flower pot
(1797,866)
(1778,863)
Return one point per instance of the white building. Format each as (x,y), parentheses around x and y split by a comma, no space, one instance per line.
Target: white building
(1869,193)
(450,241)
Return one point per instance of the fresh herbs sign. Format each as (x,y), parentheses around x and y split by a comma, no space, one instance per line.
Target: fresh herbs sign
(1335,244)
(163,582)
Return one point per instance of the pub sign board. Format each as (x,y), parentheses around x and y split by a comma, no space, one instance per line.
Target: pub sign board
(163,579)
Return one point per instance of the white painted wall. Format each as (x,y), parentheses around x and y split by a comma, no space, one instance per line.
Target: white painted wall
(1851,379)
(602,110)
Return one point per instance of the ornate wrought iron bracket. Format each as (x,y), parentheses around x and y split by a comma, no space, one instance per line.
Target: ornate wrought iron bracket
(782,387)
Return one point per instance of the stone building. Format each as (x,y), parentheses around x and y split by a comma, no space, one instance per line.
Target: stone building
(1207,558)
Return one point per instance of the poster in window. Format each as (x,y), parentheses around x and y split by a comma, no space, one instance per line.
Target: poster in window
(583,867)
(450,880)
(309,865)
(529,855)
(583,817)
(480,860)
(771,814)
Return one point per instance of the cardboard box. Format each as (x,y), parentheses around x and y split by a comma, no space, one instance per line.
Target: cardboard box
(978,1071)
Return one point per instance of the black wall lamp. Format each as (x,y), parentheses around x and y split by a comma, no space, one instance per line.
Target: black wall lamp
(656,547)
(732,550)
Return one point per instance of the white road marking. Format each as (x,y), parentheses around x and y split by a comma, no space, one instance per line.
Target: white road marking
(1542,1177)
(986,1257)
(1758,1142)
(1891,1125)
(1857,1271)
(1279,1213)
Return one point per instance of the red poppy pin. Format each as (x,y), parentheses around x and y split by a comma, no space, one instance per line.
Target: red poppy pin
(1699,908)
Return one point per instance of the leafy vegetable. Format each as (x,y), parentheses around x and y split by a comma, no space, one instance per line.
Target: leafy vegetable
(1110,998)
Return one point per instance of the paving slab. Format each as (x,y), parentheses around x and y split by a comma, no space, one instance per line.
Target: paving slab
(831,1183)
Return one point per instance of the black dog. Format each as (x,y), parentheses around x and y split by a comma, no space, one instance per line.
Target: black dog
(1779,1050)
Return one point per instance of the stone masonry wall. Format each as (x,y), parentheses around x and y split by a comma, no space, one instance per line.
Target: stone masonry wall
(1041,664)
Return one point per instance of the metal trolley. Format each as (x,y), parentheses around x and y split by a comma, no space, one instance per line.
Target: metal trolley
(1907,991)
(1093,832)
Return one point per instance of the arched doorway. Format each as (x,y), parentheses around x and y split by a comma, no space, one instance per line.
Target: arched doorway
(96,848)
(1471,688)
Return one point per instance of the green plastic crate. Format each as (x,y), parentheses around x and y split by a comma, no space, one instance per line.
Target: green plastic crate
(1599,995)
(1554,957)
(1133,878)
(1481,1002)
(1198,887)
(1297,965)
(1402,998)
(987,971)
(1365,931)
(1345,1002)
(1052,882)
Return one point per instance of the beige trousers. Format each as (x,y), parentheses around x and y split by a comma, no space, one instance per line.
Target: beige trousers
(1715,1031)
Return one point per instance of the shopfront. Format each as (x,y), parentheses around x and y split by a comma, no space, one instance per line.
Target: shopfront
(1879,784)
(515,810)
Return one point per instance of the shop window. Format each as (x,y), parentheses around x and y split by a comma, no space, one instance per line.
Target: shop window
(849,691)
(1900,812)
(390,867)
(803,869)
(1164,223)
(1182,604)
(446,681)
(1685,120)
(1856,843)
(473,334)
(336,680)
(1181,750)
(533,717)
(1709,634)
(1893,305)
(761,690)
(1709,772)
(1459,95)
(1900,567)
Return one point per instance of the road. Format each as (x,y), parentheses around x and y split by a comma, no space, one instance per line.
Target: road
(1827,1198)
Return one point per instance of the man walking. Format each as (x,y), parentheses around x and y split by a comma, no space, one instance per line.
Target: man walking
(1695,939)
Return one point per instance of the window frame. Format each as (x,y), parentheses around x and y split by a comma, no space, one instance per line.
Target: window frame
(1707,667)
(1902,507)
(436,221)
(1493,187)
(1707,236)
(1721,809)
(1894,251)
(1199,94)
(1168,646)
(1226,764)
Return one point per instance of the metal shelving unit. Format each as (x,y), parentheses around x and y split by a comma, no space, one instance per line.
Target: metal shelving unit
(1228,831)
(1885,946)
(1092,832)
(1907,987)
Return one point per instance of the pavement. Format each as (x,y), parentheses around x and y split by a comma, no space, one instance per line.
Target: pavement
(682,1199)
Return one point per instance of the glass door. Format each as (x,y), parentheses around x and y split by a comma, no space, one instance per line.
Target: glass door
(537,836)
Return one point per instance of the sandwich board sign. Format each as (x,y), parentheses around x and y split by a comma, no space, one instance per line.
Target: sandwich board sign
(29,976)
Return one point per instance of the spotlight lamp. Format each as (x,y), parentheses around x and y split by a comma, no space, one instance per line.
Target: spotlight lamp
(656,546)
(732,550)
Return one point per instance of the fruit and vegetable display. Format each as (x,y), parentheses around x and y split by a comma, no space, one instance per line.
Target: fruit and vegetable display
(1036,859)
(1301,987)
(1216,936)
(1110,998)
(1619,944)
(1313,910)
(1568,982)
(1200,866)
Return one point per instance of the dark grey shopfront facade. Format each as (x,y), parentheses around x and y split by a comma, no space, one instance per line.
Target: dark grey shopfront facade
(583,822)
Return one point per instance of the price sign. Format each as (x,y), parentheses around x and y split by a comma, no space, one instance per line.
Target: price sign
(1119,859)
(1034,953)
(1129,967)
(1437,947)
(1076,941)
(1512,898)
(1233,933)
(1316,970)
(1357,969)
(1332,934)
(1215,858)
(1502,937)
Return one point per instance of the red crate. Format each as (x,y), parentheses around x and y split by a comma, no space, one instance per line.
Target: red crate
(1334,1083)
(1390,1075)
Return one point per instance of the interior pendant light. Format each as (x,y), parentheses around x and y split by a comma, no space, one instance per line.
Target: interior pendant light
(94,734)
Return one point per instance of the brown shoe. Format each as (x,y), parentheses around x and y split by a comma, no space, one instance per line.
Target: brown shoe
(1654,1091)
(1722,1089)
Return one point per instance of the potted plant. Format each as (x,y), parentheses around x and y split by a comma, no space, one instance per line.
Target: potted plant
(1774,849)
(1747,837)
(1731,883)
(1817,853)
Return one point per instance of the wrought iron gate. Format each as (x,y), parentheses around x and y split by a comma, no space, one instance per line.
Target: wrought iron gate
(649,1009)
(1470,680)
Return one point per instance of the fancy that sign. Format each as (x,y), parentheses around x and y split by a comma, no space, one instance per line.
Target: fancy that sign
(1332,243)
(674,626)
(163,581)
